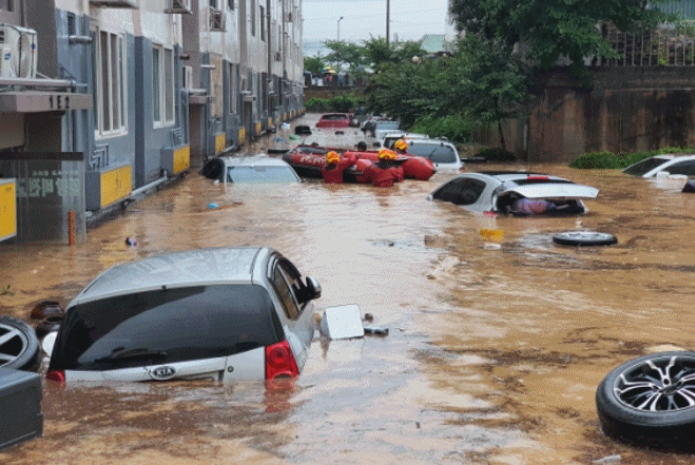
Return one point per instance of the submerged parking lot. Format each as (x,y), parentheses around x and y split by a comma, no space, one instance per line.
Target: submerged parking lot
(494,351)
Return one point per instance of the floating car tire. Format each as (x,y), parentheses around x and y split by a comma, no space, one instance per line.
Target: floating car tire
(650,402)
(584,238)
(19,346)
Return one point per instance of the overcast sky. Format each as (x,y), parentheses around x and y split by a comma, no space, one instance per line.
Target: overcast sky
(362,19)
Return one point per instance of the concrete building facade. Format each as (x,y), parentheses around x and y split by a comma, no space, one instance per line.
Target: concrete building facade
(128,94)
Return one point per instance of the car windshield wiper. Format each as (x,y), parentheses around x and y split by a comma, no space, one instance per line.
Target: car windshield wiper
(119,354)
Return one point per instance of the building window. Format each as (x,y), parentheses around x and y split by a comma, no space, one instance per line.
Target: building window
(233,91)
(110,83)
(162,85)
(253,18)
(262,17)
(156,88)
(231,4)
(213,4)
(7,5)
(169,84)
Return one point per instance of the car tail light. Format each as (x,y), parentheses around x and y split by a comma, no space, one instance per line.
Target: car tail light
(56,375)
(279,361)
(462,169)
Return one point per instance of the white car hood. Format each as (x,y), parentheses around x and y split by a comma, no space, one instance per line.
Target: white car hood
(551,190)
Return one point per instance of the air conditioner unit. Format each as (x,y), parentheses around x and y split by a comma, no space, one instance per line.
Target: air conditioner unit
(278,56)
(178,6)
(217,20)
(22,50)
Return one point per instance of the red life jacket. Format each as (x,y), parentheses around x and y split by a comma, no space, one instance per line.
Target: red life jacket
(382,174)
(333,172)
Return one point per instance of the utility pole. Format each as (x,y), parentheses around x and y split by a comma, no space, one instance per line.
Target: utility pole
(388,20)
(341,18)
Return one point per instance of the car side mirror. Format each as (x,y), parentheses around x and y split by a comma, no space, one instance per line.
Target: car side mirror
(313,288)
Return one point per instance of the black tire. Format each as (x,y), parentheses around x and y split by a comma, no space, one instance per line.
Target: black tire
(584,238)
(47,325)
(19,346)
(650,402)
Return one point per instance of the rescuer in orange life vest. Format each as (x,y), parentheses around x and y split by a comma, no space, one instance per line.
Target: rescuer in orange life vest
(333,172)
(384,172)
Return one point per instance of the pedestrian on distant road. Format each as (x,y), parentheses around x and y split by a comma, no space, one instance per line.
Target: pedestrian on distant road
(333,172)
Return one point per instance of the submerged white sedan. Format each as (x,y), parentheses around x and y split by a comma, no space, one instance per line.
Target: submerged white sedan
(516,193)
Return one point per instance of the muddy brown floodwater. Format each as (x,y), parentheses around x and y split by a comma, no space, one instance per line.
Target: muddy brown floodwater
(493,354)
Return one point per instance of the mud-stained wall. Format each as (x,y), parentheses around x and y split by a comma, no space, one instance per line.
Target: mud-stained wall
(624,109)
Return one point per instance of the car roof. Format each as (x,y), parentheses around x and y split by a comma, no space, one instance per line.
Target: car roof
(428,141)
(513,176)
(254,160)
(200,267)
(673,156)
(535,185)
(412,135)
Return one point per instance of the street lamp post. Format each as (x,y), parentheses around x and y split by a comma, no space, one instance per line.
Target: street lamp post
(341,18)
(388,20)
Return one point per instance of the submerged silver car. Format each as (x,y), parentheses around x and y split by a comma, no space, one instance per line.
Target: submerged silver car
(666,165)
(250,169)
(500,192)
(220,313)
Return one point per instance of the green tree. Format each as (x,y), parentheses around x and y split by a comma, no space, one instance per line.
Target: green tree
(495,81)
(550,30)
(342,52)
(410,91)
(314,64)
(377,52)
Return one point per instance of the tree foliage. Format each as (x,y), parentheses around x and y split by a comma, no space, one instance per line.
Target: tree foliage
(370,53)
(482,83)
(343,52)
(548,30)
(314,64)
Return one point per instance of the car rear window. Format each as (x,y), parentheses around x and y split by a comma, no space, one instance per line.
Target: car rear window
(166,326)
(643,167)
(260,174)
(435,152)
(541,180)
(461,191)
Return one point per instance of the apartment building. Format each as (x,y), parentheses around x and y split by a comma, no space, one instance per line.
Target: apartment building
(101,100)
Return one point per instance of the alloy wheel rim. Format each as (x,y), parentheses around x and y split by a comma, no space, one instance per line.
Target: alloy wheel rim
(585,235)
(664,384)
(13,343)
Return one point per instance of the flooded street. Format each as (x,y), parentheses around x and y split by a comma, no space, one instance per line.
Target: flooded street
(493,354)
